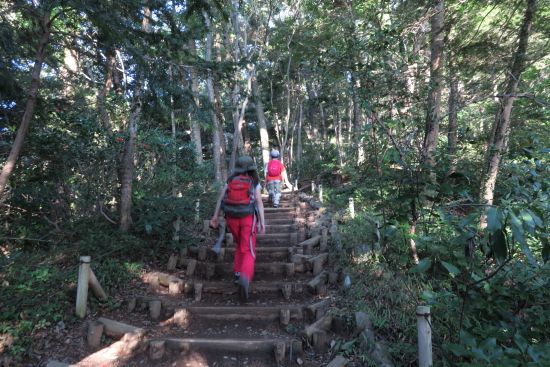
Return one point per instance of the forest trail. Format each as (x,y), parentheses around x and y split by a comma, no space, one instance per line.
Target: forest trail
(199,319)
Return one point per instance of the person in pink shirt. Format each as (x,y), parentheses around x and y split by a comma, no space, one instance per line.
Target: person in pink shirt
(274,174)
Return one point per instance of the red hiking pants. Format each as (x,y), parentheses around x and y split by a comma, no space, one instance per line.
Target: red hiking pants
(244,234)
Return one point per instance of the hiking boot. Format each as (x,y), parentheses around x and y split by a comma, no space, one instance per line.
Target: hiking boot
(270,199)
(236,278)
(243,289)
(276,205)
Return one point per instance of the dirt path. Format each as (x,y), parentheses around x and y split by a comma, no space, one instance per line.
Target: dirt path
(203,322)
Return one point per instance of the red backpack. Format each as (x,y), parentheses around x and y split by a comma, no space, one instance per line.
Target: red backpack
(239,200)
(274,168)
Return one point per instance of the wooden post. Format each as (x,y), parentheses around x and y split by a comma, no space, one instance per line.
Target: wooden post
(312,187)
(321,289)
(175,287)
(95,331)
(351,208)
(191,267)
(202,253)
(95,287)
(154,309)
(424,336)
(228,239)
(285,316)
(210,268)
(130,304)
(221,255)
(157,349)
(172,261)
(332,278)
(206,226)
(280,353)
(321,193)
(339,325)
(296,184)
(197,210)
(290,271)
(287,291)
(198,292)
(320,341)
(82,289)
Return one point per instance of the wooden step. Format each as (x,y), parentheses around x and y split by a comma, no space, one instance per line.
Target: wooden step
(229,288)
(239,313)
(280,228)
(259,268)
(268,253)
(227,345)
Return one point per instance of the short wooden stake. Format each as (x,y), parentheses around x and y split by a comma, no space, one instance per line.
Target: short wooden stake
(197,210)
(156,350)
(332,278)
(321,193)
(290,270)
(312,187)
(287,291)
(172,261)
(198,292)
(95,287)
(183,252)
(188,287)
(424,336)
(318,266)
(191,267)
(132,339)
(82,289)
(95,331)
(221,255)
(321,311)
(175,287)
(130,304)
(285,316)
(331,260)
(202,253)
(154,309)
(206,226)
(210,269)
(338,325)
(154,281)
(321,289)
(323,244)
(299,268)
(280,352)
(228,239)
(320,341)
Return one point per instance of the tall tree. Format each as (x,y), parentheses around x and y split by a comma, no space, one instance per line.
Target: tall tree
(502,119)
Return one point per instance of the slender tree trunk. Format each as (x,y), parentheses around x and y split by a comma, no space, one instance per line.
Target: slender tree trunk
(195,128)
(100,104)
(218,111)
(452,130)
(502,120)
(434,96)
(210,89)
(127,174)
(299,149)
(30,105)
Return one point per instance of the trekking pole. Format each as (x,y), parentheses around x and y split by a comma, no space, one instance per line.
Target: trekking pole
(218,245)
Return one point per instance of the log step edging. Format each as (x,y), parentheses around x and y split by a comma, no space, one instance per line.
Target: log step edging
(227,345)
(237,313)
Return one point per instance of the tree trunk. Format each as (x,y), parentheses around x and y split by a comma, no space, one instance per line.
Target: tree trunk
(218,111)
(299,158)
(29,108)
(127,174)
(264,137)
(195,128)
(502,120)
(434,95)
(210,89)
(100,104)
(452,130)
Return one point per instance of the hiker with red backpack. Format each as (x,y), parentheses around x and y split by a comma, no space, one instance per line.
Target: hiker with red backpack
(241,202)
(274,174)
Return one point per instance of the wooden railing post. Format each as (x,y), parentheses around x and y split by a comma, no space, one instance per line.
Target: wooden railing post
(424,336)
(312,187)
(321,193)
(82,289)
(351,208)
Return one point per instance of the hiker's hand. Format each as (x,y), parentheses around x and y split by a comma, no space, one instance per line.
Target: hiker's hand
(214,222)
(262,229)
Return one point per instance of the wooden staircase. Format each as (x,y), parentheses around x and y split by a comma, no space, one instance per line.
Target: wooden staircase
(202,322)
